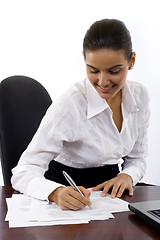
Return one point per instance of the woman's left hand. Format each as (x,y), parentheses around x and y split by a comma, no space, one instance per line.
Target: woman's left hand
(118,184)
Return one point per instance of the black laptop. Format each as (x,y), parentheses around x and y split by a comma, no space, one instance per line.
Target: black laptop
(149,211)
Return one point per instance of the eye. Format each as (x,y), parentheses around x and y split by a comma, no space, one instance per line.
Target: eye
(94,72)
(114,72)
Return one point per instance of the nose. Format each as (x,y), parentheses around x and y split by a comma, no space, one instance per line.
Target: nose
(103,79)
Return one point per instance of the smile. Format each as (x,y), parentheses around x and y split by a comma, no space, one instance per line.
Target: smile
(107,89)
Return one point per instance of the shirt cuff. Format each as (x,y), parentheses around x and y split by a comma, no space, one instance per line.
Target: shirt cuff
(41,188)
(132,174)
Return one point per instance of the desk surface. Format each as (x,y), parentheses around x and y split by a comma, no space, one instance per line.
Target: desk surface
(125,226)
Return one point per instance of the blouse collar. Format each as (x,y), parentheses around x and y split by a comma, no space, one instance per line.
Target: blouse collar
(96,104)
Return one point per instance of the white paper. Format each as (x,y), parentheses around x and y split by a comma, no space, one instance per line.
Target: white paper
(25,211)
(15,224)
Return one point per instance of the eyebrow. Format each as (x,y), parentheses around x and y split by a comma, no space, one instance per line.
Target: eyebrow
(118,65)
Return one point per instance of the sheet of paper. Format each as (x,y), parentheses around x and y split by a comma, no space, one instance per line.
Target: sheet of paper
(108,203)
(18,207)
(17,224)
(25,211)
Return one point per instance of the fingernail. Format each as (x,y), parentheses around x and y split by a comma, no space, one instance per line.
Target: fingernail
(103,194)
(90,204)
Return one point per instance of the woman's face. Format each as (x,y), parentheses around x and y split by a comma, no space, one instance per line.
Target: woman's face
(107,71)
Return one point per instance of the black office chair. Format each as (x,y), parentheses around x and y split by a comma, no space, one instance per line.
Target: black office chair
(23,103)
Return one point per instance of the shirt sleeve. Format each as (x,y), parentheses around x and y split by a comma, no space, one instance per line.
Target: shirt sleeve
(46,145)
(135,162)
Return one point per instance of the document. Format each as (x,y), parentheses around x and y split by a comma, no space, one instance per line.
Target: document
(24,211)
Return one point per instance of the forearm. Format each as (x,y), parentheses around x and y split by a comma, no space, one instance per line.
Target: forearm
(134,167)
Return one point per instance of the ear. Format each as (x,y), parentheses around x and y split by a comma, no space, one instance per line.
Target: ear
(132,60)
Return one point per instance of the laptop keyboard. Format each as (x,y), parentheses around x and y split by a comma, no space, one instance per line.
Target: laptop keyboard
(155,213)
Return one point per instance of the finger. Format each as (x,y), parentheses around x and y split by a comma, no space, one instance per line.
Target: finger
(69,200)
(130,191)
(106,189)
(74,203)
(120,191)
(85,192)
(80,197)
(99,187)
(67,206)
(114,190)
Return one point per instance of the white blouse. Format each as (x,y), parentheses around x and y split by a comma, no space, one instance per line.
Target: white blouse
(78,130)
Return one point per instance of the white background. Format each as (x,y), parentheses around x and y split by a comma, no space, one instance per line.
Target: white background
(43,39)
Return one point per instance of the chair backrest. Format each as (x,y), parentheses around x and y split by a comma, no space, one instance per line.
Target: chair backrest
(23,103)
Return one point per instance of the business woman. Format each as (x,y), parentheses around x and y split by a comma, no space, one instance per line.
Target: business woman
(91,128)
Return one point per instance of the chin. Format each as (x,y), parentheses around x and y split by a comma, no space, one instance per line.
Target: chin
(105,97)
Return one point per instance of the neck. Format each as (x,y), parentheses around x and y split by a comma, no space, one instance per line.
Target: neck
(117,99)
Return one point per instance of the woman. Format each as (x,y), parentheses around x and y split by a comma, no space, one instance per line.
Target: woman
(91,128)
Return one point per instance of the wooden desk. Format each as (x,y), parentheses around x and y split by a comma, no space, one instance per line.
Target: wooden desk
(125,226)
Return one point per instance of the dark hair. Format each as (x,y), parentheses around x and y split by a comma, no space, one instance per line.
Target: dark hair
(110,34)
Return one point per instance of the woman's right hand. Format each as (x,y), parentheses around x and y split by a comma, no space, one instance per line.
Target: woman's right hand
(69,199)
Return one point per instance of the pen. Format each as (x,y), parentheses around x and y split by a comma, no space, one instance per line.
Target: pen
(72,183)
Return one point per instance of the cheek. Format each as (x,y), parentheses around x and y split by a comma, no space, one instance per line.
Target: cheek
(120,79)
(92,78)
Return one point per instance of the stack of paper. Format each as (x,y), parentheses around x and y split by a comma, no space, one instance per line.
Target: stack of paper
(24,211)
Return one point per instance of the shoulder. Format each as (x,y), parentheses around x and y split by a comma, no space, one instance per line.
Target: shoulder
(70,101)
(139,92)
(137,88)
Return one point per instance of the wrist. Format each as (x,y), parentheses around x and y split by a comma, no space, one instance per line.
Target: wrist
(54,195)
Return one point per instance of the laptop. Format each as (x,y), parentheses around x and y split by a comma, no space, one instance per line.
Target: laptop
(149,211)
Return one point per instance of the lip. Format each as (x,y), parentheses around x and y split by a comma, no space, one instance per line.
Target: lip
(108,90)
